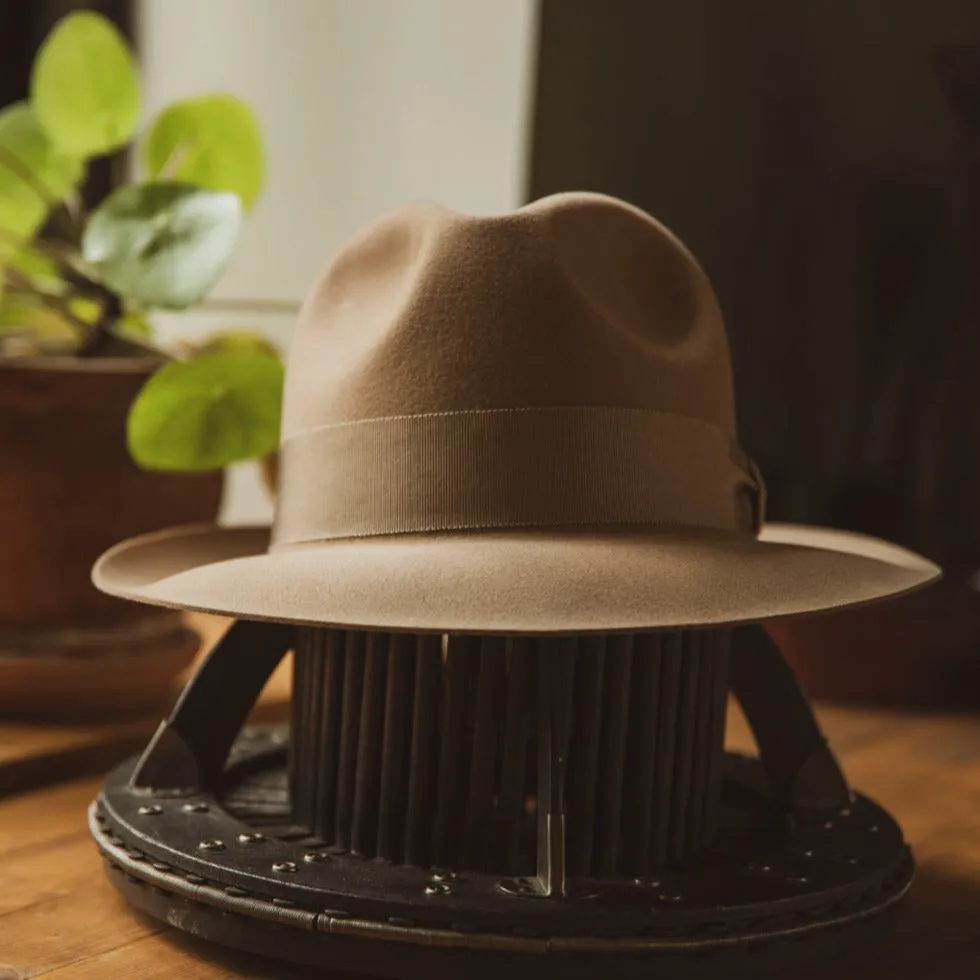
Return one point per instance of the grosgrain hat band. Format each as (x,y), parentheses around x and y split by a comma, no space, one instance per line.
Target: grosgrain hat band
(557,467)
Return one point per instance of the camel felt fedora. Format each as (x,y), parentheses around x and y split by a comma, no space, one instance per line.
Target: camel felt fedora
(519,423)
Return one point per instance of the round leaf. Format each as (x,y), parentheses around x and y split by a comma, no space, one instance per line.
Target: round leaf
(163,245)
(208,412)
(213,141)
(33,173)
(85,86)
(238,342)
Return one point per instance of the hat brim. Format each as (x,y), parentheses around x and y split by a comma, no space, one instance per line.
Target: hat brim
(513,582)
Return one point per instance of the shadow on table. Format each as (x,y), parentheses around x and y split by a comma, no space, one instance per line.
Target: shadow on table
(935,935)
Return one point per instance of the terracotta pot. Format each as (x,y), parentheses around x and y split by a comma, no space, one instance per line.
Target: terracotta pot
(921,650)
(68,491)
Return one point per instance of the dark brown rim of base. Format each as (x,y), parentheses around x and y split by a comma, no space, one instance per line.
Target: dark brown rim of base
(171,881)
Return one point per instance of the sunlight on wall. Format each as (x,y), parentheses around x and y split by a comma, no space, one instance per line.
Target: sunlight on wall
(365,105)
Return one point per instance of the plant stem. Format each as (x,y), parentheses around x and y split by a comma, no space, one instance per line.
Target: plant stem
(63,255)
(51,300)
(14,163)
(70,219)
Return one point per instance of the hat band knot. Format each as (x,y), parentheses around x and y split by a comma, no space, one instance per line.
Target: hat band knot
(563,467)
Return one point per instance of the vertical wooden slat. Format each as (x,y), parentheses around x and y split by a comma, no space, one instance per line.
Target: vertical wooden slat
(702,740)
(299,728)
(367,784)
(453,747)
(396,746)
(422,768)
(687,726)
(615,717)
(644,711)
(483,759)
(349,727)
(670,677)
(719,711)
(317,655)
(510,816)
(328,736)
(583,763)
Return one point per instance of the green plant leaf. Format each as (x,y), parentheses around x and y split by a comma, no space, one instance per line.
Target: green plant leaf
(163,245)
(208,412)
(41,270)
(238,342)
(212,141)
(85,86)
(33,174)
(23,313)
(134,325)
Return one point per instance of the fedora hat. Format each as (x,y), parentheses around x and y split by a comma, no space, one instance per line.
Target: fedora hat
(519,423)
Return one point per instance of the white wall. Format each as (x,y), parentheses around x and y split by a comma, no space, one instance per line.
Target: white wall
(365,104)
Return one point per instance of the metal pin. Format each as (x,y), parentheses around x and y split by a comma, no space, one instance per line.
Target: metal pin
(438,889)
(552,709)
(251,838)
(150,811)
(212,845)
(285,867)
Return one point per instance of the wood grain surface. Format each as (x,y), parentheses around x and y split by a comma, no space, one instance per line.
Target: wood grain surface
(60,919)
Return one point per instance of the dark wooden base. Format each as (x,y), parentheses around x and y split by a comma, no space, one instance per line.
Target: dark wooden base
(776,888)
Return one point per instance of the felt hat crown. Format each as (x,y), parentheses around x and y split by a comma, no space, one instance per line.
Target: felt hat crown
(519,423)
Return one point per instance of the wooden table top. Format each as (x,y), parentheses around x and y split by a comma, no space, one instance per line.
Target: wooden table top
(61,919)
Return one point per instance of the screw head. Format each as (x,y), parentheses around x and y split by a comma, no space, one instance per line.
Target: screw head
(150,811)
(316,857)
(212,845)
(439,888)
(251,838)
(285,867)
(443,876)
(195,808)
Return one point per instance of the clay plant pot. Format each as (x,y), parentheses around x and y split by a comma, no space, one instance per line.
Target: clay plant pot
(922,650)
(68,491)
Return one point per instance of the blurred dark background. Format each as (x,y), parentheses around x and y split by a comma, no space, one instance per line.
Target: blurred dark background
(821,160)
